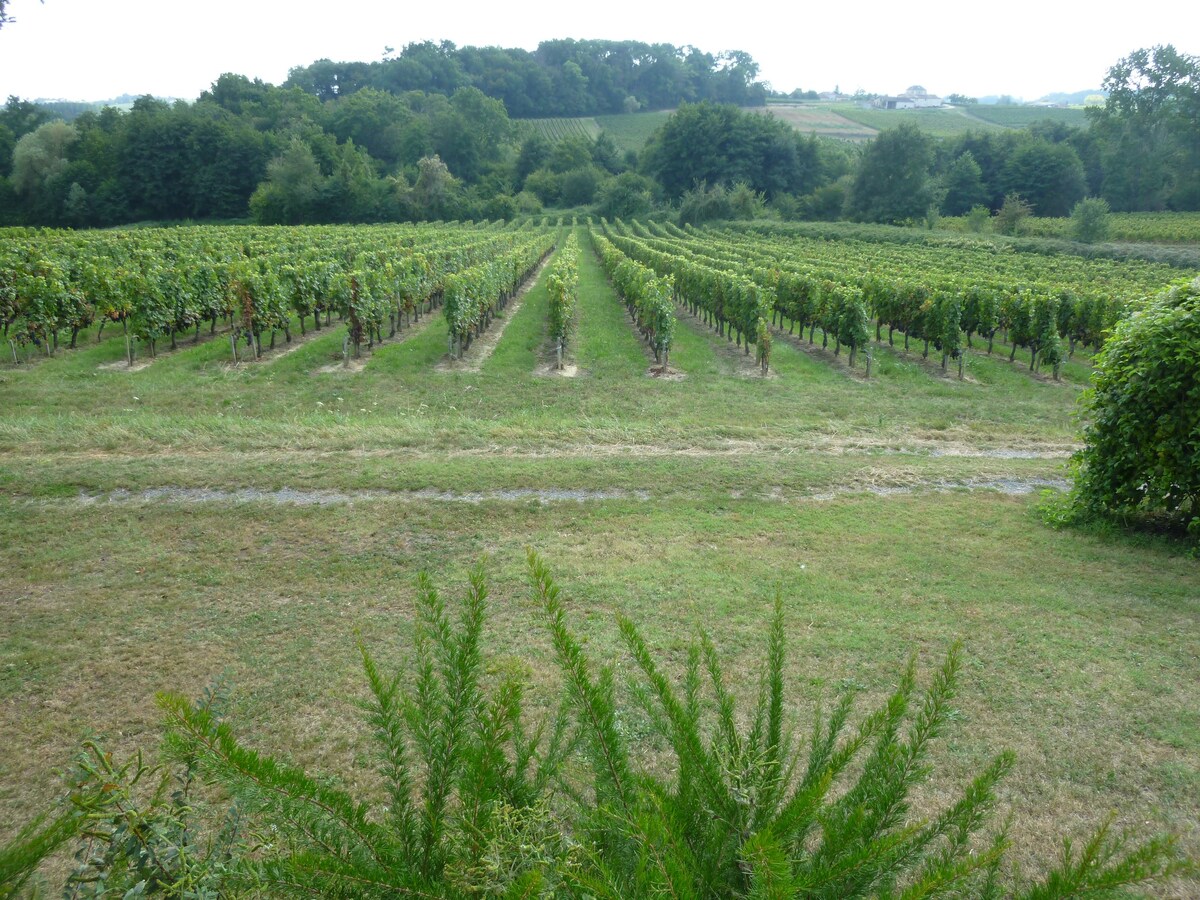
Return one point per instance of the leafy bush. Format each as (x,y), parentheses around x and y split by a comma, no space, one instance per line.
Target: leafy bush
(1012,216)
(501,206)
(468,800)
(579,186)
(1142,448)
(627,196)
(142,830)
(528,203)
(545,185)
(703,203)
(745,202)
(978,219)
(1090,220)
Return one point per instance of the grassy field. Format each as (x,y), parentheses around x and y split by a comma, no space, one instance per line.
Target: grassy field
(951,122)
(822,120)
(1143,227)
(846,121)
(161,527)
(555,130)
(629,131)
(1024,116)
(939,123)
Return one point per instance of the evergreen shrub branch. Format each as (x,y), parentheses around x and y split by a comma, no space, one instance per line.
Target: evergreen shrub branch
(472,802)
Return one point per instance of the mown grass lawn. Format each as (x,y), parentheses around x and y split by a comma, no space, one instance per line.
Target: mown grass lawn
(860,501)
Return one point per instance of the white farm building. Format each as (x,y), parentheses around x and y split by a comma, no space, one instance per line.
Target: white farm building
(916,97)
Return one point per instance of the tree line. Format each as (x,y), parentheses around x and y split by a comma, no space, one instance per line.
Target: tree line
(1141,152)
(357,152)
(559,78)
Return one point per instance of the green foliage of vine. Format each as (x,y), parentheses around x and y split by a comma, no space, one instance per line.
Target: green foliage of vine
(563,287)
(1142,450)
(647,295)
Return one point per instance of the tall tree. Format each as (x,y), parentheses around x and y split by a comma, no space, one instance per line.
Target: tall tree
(436,190)
(892,183)
(535,151)
(7,143)
(1049,176)
(373,119)
(1150,125)
(291,189)
(721,144)
(991,151)
(560,78)
(23,116)
(41,154)
(963,183)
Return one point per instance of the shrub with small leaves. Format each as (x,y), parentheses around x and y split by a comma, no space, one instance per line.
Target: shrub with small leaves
(1142,450)
(1013,215)
(1089,220)
(978,219)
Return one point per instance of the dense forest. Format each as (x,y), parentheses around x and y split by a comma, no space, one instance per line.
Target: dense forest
(433,133)
(559,78)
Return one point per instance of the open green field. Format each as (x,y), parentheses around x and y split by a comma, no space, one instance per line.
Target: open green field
(555,130)
(846,121)
(1140,227)
(822,120)
(852,122)
(629,131)
(164,526)
(1024,116)
(949,122)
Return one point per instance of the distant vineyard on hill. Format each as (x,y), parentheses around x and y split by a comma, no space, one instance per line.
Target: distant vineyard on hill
(1024,116)
(845,121)
(629,131)
(559,129)
(1141,228)
(935,122)
(821,120)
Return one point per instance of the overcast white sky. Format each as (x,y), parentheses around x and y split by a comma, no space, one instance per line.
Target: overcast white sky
(96,49)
